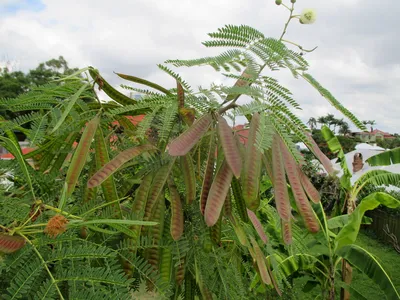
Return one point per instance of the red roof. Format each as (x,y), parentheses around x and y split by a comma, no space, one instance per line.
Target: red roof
(10,156)
(377,131)
(242,132)
(134,119)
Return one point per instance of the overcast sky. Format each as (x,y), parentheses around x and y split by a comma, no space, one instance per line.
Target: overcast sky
(357,57)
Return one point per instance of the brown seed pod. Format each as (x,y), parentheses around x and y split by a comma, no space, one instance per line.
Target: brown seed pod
(257,225)
(79,158)
(189,177)
(188,115)
(310,189)
(252,167)
(239,200)
(176,227)
(280,186)
(208,175)
(157,188)
(112,166)
(216,197)
(155,232)
(300,197)
(230,147)
(320,155)
(180,271)
(102,158)
(10,243)
(183,143)
(261,263)
(286,232)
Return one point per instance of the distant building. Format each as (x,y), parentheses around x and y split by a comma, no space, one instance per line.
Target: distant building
(372,136)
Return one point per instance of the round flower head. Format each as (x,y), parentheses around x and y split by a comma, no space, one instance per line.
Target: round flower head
(308,16)
(56,225)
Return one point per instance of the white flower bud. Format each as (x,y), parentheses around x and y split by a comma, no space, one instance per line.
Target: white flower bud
(308,16)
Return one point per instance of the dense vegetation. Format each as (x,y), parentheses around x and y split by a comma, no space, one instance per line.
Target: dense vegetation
(180,206)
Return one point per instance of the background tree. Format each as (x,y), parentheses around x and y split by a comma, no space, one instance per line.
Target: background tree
(13,84)
(312,122)
(322,120)
(344,128)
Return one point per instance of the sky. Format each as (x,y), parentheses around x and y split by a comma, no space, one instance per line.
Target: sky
(356,59)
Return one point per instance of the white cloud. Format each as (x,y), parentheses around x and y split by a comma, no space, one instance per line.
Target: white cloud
(133,36)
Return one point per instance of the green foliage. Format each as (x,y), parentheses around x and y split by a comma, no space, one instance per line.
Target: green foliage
(84,243)
(385,158)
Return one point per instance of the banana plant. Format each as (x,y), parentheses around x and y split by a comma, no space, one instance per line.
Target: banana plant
(335,243)
(373,177)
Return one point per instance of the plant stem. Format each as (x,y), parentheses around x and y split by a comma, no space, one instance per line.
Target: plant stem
(53,281)
(31,217)
(4,228)
(61,212)
(288,21)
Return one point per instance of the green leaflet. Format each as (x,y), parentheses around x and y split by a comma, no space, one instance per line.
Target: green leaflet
(349,232)
(385,158)
(15,150)
(63,153)
(10,134)
(369,265)
(328,96)
(79,158)
(71,104)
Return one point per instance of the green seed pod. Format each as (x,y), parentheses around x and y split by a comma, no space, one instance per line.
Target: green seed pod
(293,1)
(278,2)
